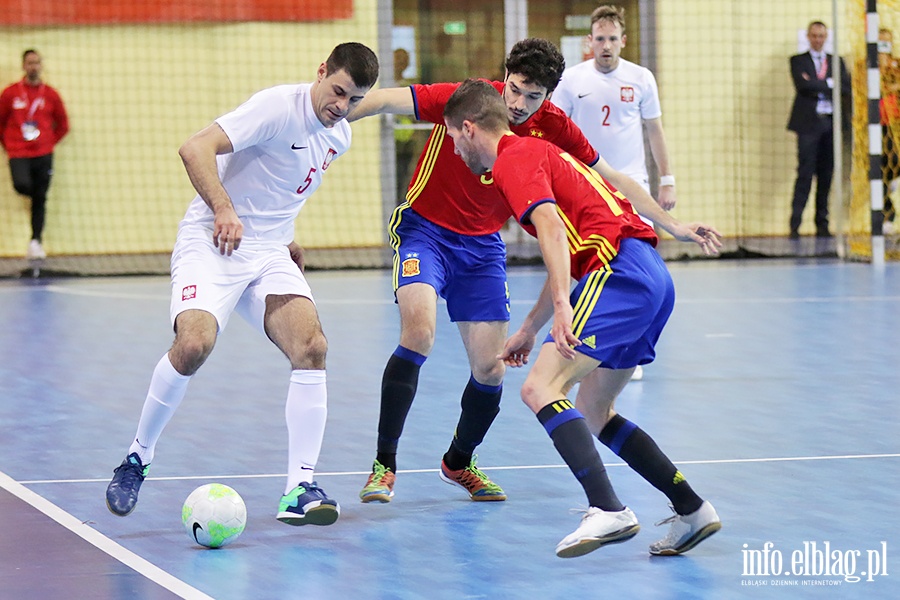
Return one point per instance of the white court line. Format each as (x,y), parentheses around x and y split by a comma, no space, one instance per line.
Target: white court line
(94,293)
(100,541)
(515,301)
(72,291)
(723,461)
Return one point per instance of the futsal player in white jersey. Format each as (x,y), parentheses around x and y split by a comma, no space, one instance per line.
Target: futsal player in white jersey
(253,169)
(611,99)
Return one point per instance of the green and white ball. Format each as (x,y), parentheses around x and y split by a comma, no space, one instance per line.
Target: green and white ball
(214,515)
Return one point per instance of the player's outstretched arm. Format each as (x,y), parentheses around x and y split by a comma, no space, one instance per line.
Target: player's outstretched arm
(642,201)
(706,236)
(395,101)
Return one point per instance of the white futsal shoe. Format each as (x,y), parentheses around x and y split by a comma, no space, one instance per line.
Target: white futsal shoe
(598,528)
(687,530)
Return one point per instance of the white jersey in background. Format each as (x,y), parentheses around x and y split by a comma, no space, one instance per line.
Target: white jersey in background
(281,152)
(609,108)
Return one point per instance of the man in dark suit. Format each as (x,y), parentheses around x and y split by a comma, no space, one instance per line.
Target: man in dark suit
(811,118)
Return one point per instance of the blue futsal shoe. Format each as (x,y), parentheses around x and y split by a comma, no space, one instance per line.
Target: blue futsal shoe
(122,493)
(307,504)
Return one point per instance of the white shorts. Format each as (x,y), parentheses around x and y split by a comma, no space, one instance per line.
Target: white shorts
(204,279)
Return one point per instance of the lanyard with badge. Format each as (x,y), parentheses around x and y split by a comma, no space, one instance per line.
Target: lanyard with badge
(30,131)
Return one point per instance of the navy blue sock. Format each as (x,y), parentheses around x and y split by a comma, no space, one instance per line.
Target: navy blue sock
(638,449)
(575,444)
(480,406)
(398,389)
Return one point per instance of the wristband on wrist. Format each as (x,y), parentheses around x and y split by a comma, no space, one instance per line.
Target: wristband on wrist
(667,180)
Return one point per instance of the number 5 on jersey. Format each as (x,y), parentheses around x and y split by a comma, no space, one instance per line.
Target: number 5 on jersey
(306,182)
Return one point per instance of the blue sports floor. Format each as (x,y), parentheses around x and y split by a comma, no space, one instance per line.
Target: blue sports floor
(776,391)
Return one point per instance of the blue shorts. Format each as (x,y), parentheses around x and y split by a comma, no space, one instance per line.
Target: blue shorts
(468,271)
(621,311)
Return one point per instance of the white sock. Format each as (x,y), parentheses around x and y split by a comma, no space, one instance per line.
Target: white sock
(167,388)
(305,413)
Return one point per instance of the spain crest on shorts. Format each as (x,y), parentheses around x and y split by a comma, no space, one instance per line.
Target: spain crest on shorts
(410,267)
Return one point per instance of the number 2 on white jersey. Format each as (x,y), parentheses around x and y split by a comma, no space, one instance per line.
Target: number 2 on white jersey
(606,110)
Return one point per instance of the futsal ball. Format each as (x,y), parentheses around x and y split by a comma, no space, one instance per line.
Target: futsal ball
(214,515)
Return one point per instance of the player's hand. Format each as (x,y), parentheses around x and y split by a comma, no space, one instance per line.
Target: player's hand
(561,332)
(297,254)
(227,231)
(706,236)
(517,348)
(666,198)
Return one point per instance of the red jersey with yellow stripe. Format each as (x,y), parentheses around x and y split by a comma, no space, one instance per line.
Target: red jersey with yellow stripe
(447,193)
(597,216)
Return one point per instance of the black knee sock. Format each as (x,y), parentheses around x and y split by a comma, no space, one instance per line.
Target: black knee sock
(480,405)
(642,454)
(398,389)
(572,438)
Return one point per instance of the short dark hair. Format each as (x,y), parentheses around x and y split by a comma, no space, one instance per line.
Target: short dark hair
(357,59)
(814,23)
(610,14)
(537,61)
(29,51)
(477,101)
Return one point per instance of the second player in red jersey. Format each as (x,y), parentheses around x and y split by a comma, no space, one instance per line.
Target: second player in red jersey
(608,324)
(594,229)
(447,193)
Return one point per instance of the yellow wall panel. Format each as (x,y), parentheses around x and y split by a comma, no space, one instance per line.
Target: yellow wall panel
(135,93)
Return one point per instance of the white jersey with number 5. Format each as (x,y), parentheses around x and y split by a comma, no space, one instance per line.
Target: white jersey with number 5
(281,152)
(610,109)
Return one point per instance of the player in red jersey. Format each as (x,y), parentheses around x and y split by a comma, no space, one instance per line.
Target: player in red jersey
(446,242)
(590,232)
